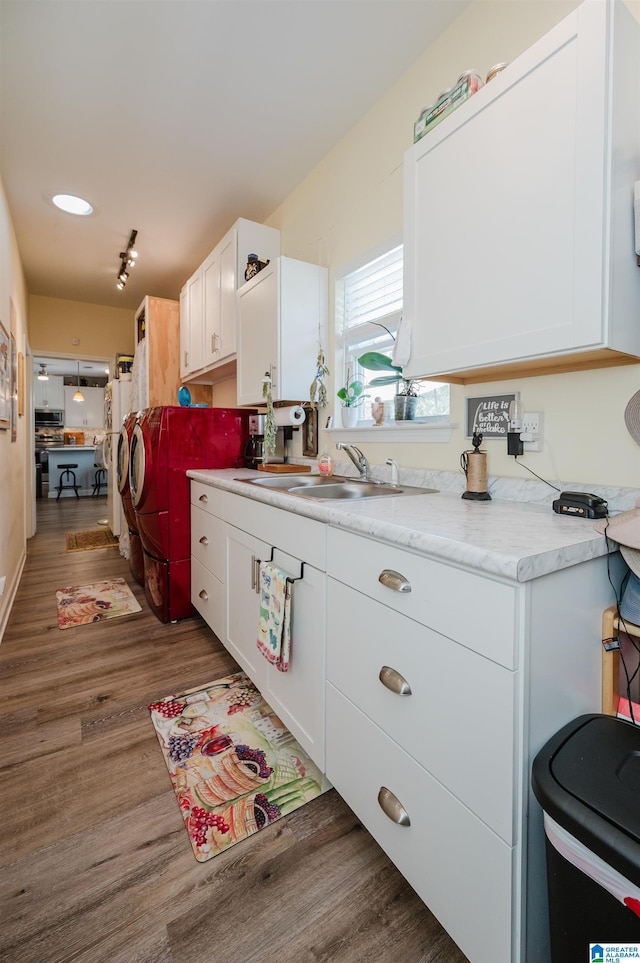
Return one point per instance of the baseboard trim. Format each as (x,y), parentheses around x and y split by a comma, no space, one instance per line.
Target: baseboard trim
(11,594)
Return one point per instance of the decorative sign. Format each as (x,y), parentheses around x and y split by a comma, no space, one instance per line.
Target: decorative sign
(489,415)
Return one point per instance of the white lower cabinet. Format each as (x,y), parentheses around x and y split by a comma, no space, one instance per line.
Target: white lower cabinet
(455,863)
(297,695)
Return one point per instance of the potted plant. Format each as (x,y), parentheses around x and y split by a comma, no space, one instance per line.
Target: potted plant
(406,397)
(351,395)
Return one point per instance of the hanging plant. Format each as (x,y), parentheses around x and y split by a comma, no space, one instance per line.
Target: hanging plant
(318,389)
(270,427)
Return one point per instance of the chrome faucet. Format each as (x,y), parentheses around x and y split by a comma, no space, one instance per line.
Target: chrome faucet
(360,462)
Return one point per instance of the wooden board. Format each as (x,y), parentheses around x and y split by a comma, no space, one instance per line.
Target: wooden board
(277,469)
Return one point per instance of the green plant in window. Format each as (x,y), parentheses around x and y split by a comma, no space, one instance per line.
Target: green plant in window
(375,361)
(351,394)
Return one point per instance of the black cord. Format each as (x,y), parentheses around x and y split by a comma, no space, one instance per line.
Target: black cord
(522,465)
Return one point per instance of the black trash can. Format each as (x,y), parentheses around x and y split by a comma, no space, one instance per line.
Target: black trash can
(587,780)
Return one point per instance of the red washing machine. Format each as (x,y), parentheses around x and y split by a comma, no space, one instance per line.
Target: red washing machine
(136,554)
(166,443)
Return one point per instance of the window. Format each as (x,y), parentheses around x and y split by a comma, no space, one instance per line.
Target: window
(369,311)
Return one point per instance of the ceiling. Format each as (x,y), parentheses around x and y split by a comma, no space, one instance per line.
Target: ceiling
(176,117)
(71,367)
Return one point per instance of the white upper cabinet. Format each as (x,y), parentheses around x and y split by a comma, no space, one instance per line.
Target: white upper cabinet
(84,414)
(519,251)
(49,394)
(280,313)
(208,302)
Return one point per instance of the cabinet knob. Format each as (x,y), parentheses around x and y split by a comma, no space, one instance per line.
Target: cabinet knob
(394,580)
(204,540)
(203,595)
(203,498)
(394,681)
(392,807)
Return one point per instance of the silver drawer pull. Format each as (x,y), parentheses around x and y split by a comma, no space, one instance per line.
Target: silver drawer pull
(392,807)
(394,580)
(203,595)
(204,540)
(394,681)
(203,498)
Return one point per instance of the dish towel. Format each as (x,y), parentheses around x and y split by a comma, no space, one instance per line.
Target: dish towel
(274,627)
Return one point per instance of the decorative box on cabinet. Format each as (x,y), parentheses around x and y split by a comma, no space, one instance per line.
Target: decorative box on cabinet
(519,254)
(280,312)
(208,307)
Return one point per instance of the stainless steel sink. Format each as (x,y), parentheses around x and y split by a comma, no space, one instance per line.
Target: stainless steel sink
(319,486)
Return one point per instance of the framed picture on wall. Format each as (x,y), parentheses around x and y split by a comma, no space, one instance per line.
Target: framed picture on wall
(310,432)
(14,390)
(5,379)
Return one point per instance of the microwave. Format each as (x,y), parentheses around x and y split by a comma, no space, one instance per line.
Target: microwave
(49,418)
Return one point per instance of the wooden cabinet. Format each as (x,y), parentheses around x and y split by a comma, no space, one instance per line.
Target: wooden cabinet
(519,253)
(158,349)
(49,394)
(280,313)
(84,414)
(208,309)
(230,535)
(440,696)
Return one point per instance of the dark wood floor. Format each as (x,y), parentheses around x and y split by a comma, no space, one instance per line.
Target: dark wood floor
(95,864)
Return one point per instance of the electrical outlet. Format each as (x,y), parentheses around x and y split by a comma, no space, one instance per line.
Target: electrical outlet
(532,430)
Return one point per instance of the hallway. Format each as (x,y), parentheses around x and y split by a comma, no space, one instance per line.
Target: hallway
(95,863)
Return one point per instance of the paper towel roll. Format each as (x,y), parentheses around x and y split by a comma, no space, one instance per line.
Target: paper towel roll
(293,415)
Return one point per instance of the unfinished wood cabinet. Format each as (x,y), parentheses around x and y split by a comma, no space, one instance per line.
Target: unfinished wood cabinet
(157,322)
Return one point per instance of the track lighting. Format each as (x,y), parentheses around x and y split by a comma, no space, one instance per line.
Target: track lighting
(42,374)
(128,260)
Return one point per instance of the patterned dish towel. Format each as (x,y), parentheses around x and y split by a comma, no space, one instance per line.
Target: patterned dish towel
(274,627)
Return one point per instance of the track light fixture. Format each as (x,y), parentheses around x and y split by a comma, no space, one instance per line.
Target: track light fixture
(128,260)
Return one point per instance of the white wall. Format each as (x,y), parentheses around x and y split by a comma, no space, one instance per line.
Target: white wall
(352,201)
(15,464)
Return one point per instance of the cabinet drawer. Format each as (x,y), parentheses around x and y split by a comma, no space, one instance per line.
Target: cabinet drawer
(208,541)
(455,863)
(476,611)
(458,721)
(206,497)
(208,597)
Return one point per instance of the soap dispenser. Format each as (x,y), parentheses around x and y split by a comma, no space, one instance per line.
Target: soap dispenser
(325,464)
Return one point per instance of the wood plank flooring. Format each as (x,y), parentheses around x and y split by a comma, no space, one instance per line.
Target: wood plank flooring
(95,864)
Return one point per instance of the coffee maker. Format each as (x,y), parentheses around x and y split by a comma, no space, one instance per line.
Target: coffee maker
(254,450)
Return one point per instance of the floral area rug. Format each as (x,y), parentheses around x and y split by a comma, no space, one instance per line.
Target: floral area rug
(90,539)
(234,767)
(82,604)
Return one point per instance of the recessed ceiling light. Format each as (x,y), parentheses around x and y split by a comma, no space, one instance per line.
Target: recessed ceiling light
(72,204)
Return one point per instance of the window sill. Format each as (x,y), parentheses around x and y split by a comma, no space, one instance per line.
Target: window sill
(398,432)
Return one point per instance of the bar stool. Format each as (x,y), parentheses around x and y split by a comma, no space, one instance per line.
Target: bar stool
(100,480)
(67,479)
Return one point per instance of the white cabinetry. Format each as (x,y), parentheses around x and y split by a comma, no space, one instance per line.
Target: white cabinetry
(84,414)
(230,534)
(280,312)
(519,254)
(208,301)
(49,394)
(494,668)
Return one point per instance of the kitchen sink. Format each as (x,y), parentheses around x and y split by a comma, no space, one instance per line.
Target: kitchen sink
(319,486)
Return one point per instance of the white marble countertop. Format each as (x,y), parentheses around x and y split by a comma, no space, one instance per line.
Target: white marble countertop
(67,448)
(518,540)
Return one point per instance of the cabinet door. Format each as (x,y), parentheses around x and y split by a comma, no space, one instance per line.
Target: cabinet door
(211,309)
(228,258)
(506,211)
(49,394)
(94,407)
(184,331)
(297,695)
(75,412)
(257,335)
(243,603)
(191,325)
